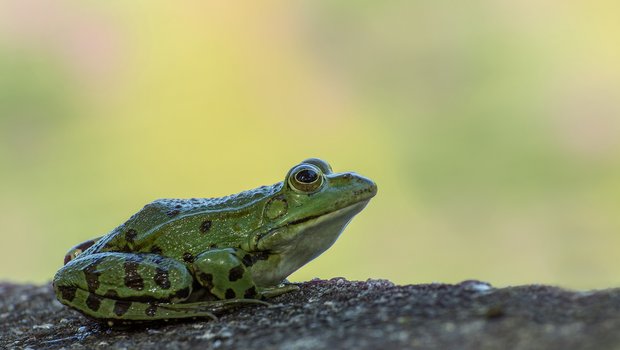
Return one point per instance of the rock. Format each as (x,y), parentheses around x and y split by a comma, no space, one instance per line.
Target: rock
(340,314)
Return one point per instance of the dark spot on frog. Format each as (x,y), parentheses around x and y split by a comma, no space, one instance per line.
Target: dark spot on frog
(161,278)
(188,257)
(250,292)
(156,250)
(133,279)
(173,213)
(67,292)
(206,279)
(91,275)
(235,273)
(111,294)
(121,307)
(247,260)
(251,259)
(131,235)
(182,293)
(178,206)
(151,310)
(205,226)
(125,249)
(230,294)
(260,256)
(93,301)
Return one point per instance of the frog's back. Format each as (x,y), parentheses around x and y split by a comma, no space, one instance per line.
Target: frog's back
(162,211)
(145,224)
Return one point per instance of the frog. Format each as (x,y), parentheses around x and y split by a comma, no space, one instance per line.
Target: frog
(194,258)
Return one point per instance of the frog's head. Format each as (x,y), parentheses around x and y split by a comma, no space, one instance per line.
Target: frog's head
(306,217)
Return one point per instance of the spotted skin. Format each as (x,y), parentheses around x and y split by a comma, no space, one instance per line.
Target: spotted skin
(67,293)
(93,301)
(156,250)
(149,280)
(250,292)
(151,309)
(180,258)
(188,257)
(161,278)
(131,235)
(223,273)
(205,226)
(121,307)
(236,273)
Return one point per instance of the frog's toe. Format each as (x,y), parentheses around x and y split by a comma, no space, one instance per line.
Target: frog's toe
(271,292)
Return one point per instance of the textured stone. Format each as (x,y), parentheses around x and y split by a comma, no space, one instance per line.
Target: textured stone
(339,314)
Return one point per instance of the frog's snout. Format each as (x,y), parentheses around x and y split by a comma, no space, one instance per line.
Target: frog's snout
(372,186)
(366,188)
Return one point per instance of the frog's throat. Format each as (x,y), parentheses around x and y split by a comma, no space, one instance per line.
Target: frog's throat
(295,244)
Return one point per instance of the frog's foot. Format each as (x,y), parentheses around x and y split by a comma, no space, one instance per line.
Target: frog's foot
(111,310)
(78,249)
(115,311)
(210,307)
(271,292)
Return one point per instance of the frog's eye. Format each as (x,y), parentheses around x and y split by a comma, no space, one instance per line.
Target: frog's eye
(305,178)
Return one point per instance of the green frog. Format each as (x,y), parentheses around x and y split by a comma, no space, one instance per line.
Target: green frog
(179,258)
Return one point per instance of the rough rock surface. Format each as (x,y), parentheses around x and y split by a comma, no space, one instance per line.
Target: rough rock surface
(339,314)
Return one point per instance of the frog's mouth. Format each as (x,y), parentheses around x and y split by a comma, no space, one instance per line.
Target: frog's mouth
(293,245)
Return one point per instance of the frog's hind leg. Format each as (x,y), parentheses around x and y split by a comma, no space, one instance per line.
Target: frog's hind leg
(115,311)
(123,285)
(79,248)
(127,311)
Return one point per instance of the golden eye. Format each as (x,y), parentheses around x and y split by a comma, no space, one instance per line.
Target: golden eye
(305,178)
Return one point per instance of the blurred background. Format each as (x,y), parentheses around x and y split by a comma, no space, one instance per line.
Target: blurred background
(491,127)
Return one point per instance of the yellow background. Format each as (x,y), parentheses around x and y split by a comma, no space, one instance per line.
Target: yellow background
(491,127)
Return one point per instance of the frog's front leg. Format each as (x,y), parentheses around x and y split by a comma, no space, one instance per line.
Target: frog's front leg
(224,275)
(125,286)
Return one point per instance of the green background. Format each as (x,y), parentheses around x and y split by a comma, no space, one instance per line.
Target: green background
(491,127)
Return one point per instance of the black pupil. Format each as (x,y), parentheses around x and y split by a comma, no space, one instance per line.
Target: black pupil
(306,176)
